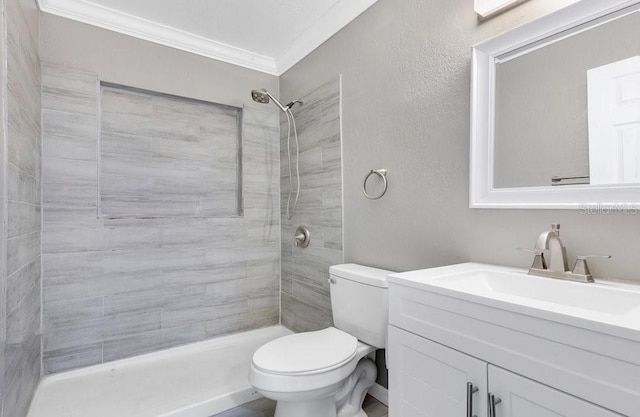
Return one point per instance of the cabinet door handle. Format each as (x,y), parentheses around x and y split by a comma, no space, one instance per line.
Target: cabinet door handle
(493,401)
(470,391)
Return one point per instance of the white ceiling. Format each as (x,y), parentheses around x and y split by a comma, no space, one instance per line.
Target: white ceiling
(265,35)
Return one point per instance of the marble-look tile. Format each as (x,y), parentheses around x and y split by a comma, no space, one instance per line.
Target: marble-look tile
(69,90)
(21,250)
(61,313)
(286,284)
(191,316)
(332,198)
(22,374)
(20,289)
(312,268)
(24,320)
(124,325)
(203,274)
(150,261)
(332,238)
(71,358)
(22,76)
(97,238)
(23,144)
(262,116)
(324,134)
(69,147)
(83,285)
(305,293)
(219,149)
(179,165)
(67,266)
(69,171)
(263,268)
(312,295)
(125,144)
(332,157)
(70,196)
(66,240)
(22,218)
(118,100)
(150,252)
(69,217)
(22,186)
(107,328)
(302,317)
(254,317)
(158,298)
(152,341)
(21,282)
(69,124)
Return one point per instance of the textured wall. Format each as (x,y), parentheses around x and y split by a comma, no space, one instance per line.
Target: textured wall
(119,287)
(306,303)
(20,263)
(406,72)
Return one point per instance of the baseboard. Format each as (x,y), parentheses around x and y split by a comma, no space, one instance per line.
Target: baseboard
(380,393)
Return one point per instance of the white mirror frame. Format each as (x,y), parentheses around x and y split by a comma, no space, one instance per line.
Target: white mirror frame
(482,193)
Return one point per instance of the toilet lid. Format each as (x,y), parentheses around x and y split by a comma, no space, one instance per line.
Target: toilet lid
(306,352)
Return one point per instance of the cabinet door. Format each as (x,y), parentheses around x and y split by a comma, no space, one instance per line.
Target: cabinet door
(430,380)
(522,397)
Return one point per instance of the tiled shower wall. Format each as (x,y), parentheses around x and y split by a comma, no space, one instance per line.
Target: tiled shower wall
(306,303)
(119,285)
(20,198)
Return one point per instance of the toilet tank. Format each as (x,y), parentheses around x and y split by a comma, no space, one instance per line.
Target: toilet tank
(359,300)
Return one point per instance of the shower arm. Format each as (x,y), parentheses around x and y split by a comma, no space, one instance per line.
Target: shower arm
(277,102)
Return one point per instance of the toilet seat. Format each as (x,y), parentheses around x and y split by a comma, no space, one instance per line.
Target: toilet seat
(276,385)
(306,353)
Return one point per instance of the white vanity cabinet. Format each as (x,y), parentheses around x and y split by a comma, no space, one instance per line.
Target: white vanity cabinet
(537,362)
(522,397)
(427,379)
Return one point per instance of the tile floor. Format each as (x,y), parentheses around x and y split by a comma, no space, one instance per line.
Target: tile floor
(265,408)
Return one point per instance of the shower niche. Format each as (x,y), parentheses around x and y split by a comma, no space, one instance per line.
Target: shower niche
(167,156)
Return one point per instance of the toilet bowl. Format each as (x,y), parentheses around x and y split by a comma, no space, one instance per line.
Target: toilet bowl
(326,373)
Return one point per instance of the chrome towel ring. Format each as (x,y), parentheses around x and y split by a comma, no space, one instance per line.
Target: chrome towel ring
(382,173)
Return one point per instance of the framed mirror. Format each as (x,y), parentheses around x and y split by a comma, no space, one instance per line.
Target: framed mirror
(555,111)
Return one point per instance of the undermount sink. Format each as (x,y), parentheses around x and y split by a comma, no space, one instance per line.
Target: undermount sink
(609,306)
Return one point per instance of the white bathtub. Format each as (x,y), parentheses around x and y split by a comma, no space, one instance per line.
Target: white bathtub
(197,380)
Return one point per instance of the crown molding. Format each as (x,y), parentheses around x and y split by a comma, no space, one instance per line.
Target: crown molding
(330,23)
(338,16)
(117,21)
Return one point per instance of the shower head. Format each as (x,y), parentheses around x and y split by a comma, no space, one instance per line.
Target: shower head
(263,96)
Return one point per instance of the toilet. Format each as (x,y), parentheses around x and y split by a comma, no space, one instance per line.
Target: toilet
(326,373)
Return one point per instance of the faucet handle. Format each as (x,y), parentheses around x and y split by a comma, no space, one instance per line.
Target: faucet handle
(538,261)
(585,257)
(582,269)
(535,251)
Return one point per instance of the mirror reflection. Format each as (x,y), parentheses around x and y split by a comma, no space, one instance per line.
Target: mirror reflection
(567,109)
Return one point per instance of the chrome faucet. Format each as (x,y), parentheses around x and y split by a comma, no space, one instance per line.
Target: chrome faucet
(558,267)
